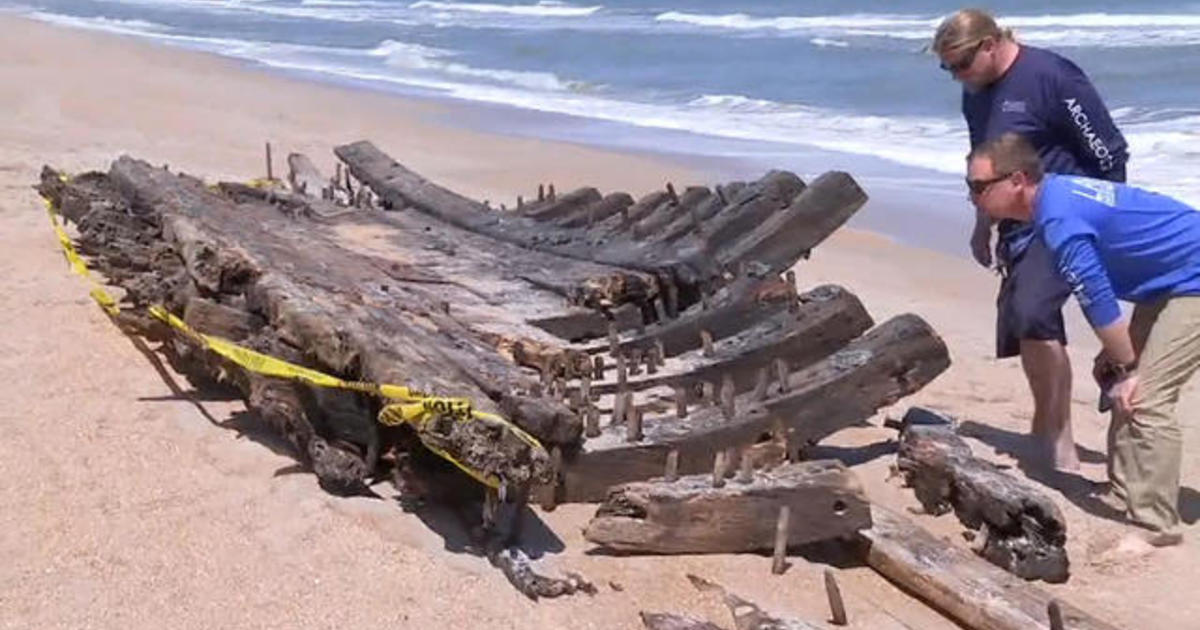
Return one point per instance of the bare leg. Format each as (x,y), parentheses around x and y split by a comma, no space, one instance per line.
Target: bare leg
(1049,372)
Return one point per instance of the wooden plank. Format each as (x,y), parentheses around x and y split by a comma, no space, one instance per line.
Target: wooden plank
(690,515)
(826,319)
(958,583)
(891,361)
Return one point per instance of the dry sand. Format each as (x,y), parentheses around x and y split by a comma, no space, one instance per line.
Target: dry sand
(124,505)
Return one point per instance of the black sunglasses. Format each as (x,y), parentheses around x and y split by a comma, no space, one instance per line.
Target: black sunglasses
(964,62)
(980,186)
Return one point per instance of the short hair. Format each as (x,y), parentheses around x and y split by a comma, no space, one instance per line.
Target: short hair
(1010,153)
(965,28)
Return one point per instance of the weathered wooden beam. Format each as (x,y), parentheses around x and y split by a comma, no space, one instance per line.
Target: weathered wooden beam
(693,221)
(779,239)
(891,361)
(591,214)
(958,583)
(827,318)
(1019,527)
(735,307)
(689,515)
(563,206)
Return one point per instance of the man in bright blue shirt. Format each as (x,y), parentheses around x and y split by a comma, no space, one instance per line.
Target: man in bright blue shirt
(1115,242)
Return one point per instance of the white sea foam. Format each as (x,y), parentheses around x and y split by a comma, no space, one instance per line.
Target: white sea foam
(1100,30)
(541,9)
(828,43)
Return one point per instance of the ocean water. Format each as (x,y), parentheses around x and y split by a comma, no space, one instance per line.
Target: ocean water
(755,84)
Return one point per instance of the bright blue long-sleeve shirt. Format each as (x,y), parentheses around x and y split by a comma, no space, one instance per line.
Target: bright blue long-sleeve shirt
(1118,242)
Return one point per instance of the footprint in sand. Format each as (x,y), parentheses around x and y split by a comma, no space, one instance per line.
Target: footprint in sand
(1118,551)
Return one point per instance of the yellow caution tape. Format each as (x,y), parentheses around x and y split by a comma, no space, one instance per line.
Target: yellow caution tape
(415,407)
(102,297)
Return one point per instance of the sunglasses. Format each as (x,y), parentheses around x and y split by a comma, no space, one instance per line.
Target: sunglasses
(980,186)
(964,62)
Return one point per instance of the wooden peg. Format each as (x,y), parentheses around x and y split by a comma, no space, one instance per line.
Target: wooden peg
(598,368)
(671,473)
(520,203)
(652,360)
(706,342)
(745,468)
(270,167)
(733,461)
(541,192)
(622,374)
(718,475)
(837,608)
(633,432)
(671,193)
(619,407)
(660,352)
(591,425)
(762,379)
(779,560)
(550,192)
(781,375)
(728,404)
(1054,610)
(680,402)
(550,491)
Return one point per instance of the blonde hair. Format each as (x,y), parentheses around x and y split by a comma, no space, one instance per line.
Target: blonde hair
(965,28)
(1010,153)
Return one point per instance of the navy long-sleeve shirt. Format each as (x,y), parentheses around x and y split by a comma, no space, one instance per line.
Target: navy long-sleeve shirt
(1113,241)
(1051,102)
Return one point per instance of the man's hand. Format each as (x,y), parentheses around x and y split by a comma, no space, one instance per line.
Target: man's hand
(1123,392)
(981,246)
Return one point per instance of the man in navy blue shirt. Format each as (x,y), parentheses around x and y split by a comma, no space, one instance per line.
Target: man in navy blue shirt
(1114,242)
(1009,87)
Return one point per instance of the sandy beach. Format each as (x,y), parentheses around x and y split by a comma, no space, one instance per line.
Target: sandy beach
(124,505)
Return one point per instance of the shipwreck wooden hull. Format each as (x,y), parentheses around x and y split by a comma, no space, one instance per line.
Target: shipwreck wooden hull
(591,320)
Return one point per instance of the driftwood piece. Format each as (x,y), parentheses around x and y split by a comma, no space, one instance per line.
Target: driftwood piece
(1020,529)
(891,361)
(303,176)
(976,594)
(689,515)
